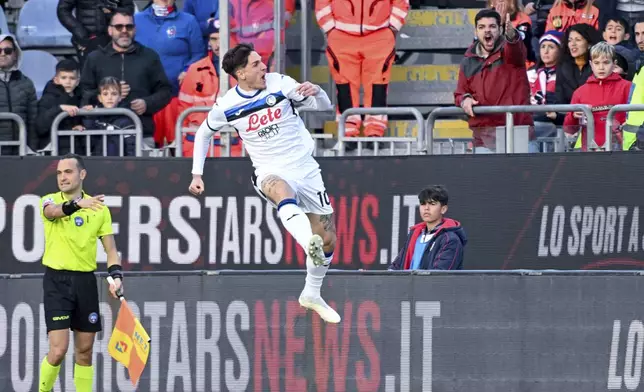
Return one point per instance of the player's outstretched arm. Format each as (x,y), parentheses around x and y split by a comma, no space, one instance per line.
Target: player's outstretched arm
(305,94)
(214,122)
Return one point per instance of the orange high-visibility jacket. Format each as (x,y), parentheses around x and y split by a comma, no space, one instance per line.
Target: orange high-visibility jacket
(360,17)
(200,87)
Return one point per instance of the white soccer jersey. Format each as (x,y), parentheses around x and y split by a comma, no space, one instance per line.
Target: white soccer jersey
(266,120)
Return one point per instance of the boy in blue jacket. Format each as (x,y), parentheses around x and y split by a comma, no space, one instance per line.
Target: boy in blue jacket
(437,243)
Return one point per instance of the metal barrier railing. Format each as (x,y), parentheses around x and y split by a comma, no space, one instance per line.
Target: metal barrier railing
(509,111)
(610,118)
(21,143)
(137,132)
(225,133)
(420,139)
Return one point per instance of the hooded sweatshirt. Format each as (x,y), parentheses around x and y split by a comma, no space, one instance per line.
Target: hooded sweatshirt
(17,95)
(602,95)
(444,251)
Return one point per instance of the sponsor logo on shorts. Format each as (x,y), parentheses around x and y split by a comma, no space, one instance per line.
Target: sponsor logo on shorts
(79,221)
(60,318)
(269,132)
(93,317)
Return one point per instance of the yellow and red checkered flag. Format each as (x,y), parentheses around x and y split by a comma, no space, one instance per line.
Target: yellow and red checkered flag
(130,343)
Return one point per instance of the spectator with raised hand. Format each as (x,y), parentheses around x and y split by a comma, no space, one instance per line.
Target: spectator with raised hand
(602,91)
(522,22)
(176,37)
(574,68)
(87,21)
(567,13)
(144,85)
(17,95)
(61,94)
(200,87)
(493,73)
(542,78)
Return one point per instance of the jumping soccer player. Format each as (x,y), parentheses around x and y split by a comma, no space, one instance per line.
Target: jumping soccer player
(73,221)
(262,108)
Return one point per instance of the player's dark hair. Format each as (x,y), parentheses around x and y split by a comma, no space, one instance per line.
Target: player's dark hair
(236,58)
(437,193)
(487,13)
(80,163)
(67,65)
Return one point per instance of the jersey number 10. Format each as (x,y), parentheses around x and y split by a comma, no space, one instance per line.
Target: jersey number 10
(324,199)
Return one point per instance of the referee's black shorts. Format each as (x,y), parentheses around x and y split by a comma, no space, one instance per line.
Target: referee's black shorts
(71,301)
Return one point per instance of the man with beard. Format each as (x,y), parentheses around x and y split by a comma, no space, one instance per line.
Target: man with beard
(144,85)
(493,74)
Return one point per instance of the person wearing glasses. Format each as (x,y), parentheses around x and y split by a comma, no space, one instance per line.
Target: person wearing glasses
(145,88)
(87,20)
(17,95)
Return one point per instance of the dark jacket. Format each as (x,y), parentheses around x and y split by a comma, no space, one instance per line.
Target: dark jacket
(17,95)
(569,78)
(90,21)
(48,108)
(499,79)
(112,146)
(140,67)
(443,252)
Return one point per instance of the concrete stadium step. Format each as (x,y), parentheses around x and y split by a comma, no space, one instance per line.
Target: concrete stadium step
(437,87)
(445,129)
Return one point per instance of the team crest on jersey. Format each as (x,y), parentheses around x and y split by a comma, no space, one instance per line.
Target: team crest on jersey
(172,31)
(271,100)
(79,221)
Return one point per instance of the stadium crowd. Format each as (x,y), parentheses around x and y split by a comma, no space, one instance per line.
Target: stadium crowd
(162,60)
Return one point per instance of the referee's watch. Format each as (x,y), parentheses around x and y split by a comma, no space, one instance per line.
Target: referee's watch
(115,271)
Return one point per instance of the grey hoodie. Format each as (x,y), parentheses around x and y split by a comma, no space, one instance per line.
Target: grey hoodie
(17,95)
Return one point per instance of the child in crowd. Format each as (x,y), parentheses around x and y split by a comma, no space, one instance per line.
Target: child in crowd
(61,94)
(109,96)
(602,91)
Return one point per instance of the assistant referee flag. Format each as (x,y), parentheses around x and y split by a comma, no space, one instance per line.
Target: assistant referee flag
(130,343)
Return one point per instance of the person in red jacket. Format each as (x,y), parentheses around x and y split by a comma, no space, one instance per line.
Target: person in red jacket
(491,74)
(602,91)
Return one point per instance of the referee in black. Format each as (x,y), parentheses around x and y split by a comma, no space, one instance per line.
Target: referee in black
(73,221)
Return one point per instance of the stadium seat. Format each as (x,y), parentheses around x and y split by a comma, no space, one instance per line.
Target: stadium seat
(39,28)
(4,27)
(424,30)
(39,66)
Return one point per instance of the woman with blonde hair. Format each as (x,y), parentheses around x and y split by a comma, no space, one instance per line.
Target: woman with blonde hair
(521,21)
(566,13)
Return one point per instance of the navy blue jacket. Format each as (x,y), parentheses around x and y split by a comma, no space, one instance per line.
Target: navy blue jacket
(443,252)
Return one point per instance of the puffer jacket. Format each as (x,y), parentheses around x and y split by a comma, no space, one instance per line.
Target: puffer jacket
(90,20)
(17,95)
